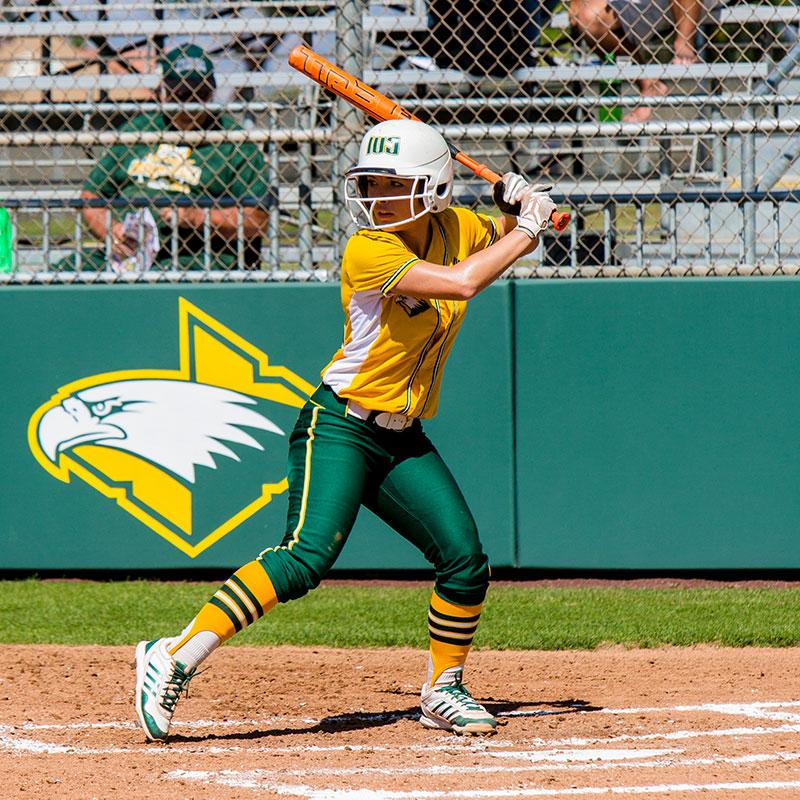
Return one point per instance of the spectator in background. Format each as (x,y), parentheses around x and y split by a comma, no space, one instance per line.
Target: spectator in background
(169,170)
(623,27)
(127,53)
(483,37)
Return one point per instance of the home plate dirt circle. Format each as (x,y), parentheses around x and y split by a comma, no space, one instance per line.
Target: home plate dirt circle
(333,724)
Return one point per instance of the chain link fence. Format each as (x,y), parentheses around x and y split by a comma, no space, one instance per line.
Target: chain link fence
(667,127)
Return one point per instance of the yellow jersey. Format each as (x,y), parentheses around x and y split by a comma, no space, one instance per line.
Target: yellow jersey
(395,347)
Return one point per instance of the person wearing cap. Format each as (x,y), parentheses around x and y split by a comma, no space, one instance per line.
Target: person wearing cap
(170,170)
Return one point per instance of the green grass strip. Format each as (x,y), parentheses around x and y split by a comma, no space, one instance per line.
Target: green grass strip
(84,612)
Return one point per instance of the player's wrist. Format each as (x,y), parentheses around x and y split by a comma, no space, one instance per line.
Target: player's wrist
(526,227)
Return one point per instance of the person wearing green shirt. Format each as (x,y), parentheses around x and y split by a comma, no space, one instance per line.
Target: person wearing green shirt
(173,170)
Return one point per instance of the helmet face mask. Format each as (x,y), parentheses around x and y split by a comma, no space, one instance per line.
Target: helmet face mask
(408,151)
(362,203)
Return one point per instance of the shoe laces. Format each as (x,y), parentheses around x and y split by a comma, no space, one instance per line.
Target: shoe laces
(461,696)
(176,685)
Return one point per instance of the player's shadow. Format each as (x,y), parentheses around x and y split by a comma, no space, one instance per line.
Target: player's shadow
(341,723)
(365,720)
(526,708)
(537,708)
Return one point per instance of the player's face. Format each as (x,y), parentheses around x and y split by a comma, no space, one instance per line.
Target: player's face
(187,120)
(391,196)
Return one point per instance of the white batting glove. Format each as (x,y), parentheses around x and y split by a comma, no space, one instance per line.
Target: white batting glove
(513,187)
(534,215)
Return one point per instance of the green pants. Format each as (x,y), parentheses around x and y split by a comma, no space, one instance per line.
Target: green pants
(336,465)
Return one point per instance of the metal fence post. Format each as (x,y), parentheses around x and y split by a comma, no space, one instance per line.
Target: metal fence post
(748,156)
(348,121)
(305,212)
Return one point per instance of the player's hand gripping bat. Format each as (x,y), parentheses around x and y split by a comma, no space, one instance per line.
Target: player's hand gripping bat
(380,107)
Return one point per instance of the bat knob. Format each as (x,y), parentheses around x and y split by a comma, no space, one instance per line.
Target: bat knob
(560,220)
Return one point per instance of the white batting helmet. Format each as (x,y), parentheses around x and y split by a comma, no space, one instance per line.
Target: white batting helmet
(407,149)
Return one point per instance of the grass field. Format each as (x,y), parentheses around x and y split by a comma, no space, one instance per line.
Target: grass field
(85,612)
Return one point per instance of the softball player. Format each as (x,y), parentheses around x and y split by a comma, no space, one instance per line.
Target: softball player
(406,277)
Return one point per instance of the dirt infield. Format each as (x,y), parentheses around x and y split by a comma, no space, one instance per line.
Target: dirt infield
(332,724)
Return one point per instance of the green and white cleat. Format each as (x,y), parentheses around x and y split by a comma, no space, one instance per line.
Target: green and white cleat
(452,708)
(160,681)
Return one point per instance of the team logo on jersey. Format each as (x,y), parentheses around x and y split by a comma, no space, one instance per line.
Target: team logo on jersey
(412,305)
(383,144)
(190,452)
(170,168)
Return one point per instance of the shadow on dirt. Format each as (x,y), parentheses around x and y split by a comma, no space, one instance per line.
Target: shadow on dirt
(538,708)
(338,724)
(361,720)
(522,708)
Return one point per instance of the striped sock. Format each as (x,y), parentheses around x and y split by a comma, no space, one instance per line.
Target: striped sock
(451,629)
(245,597)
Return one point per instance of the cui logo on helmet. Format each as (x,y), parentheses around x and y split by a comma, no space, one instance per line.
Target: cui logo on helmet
(383,144)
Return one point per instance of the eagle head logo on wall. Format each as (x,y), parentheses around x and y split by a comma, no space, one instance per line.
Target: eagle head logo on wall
(190,452)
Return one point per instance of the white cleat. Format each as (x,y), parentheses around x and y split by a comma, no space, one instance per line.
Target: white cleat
(452,708)
(160,681)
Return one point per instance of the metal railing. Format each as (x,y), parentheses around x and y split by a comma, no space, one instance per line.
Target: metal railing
(647,197)
(643,234)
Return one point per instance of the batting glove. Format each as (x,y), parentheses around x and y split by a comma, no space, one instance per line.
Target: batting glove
(534,214)
(514,186)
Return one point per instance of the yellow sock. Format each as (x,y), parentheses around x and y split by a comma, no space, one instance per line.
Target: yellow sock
(245,597)
(451,630)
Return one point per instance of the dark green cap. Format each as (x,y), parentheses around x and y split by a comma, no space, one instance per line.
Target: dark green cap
(187,67)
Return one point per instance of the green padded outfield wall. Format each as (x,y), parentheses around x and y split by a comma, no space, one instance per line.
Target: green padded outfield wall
(658,423)
(77,360)
(630,424)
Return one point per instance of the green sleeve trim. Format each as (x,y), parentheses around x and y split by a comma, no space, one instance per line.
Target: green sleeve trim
(398,273)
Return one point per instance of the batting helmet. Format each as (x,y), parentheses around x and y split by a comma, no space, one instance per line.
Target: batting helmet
(405,149)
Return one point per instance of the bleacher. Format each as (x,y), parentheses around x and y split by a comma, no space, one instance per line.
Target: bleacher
(721,125)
